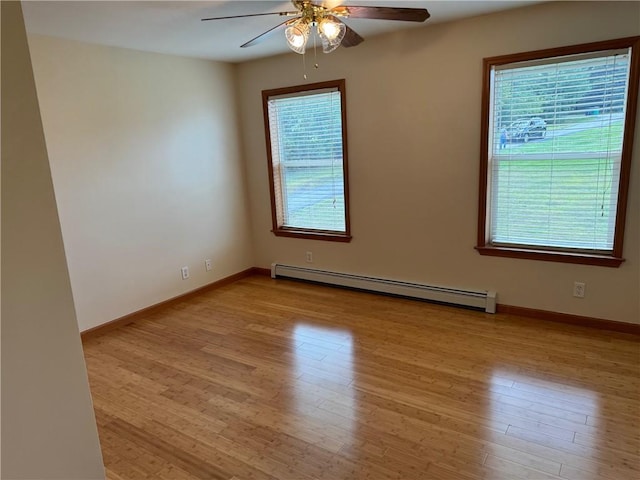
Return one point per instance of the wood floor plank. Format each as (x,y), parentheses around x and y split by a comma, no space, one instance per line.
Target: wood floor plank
(522,458)
(279,380)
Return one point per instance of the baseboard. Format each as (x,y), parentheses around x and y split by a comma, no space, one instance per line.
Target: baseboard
(546,315)
(132,317)
(598,323)
(262,271)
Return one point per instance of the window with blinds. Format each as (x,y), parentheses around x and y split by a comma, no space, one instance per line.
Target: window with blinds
(305,129)
(558,149)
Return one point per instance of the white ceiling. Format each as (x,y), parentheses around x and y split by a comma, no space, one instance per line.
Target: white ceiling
(174,27)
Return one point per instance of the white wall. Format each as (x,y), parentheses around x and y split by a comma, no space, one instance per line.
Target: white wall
(48,426)
(144,153)
(413,107)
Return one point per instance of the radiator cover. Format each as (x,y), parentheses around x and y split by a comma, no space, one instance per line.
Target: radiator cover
(480,299)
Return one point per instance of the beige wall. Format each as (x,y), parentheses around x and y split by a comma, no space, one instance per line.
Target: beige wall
(145,159)
(413,103)
(48,426)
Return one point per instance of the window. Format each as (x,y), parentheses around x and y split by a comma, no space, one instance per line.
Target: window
(556,152)
(306,149)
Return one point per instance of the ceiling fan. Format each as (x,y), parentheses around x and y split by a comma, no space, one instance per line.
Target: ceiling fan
(332,31)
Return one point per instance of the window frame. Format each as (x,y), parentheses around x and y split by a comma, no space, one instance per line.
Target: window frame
(308,233)
(615,259)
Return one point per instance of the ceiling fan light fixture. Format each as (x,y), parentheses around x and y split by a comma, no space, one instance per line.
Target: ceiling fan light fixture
(331,32)
(325,16)
(297,36)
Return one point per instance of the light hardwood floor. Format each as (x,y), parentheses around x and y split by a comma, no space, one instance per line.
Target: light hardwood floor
(274,379)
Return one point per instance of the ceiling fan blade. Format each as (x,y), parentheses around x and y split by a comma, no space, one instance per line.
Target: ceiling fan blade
(351,38)
(383,13)
(283,14)
(266,34)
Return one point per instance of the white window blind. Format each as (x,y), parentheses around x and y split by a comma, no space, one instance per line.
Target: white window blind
(307,160)
(555,147)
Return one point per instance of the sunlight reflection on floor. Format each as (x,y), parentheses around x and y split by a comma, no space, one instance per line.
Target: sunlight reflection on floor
(323,369)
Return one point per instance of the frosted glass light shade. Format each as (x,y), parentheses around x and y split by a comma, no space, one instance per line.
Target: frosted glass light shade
(297,35)
(331,31)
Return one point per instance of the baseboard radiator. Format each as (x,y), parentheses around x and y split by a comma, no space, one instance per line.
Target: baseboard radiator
(480,299)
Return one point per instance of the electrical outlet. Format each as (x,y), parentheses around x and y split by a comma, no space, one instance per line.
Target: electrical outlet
(185,272)
(578,289)
(207,264)
(309,257)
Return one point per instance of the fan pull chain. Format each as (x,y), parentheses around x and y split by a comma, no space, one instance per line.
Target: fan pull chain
(315,52)
(304,66)
(315,58)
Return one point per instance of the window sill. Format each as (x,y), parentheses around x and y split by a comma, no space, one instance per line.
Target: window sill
(551,256)
(327,236)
